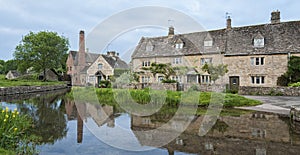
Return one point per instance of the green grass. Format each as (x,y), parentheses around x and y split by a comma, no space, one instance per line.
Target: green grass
(25,82)
(173,98)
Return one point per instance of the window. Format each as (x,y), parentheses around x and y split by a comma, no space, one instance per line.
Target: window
(257,79)
(145,79)
(203,61)
(205,79)
(177,60)
(160,78)
(100,66)
(146,63)
(91,79)
(149,48)
(177,78)
(208,43)
(257,61)
(259,42)
(179,45)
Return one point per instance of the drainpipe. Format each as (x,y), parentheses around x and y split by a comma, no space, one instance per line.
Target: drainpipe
(289,58)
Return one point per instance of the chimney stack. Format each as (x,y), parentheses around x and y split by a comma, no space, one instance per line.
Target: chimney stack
(81,53)
(228,23)
(171,32)
(275,17)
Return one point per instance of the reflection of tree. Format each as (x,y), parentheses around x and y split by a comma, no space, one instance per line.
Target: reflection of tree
(48,116)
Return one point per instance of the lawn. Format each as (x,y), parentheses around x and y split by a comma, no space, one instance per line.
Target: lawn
(171,98)
(25,82)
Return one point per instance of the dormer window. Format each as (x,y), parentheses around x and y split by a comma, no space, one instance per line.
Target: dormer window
(149,47)
(259,41)
(179,45)
(208,43)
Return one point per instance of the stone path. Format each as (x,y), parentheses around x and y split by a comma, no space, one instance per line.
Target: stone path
(274,104)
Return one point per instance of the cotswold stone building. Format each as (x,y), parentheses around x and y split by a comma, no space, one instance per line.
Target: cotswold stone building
(256,55)
(89,68)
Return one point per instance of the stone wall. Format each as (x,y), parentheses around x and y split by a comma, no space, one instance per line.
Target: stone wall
(20,97)
(29,89)
(274,91)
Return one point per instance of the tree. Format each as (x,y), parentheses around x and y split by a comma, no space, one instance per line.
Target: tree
(160,68)
(41,51)
(215,71)
(293,73)
(9,65)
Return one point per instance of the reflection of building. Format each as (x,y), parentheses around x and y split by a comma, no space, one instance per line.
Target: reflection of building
(252,133)
(81,111)
(89,68)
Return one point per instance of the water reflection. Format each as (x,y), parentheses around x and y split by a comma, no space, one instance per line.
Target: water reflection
(250,133)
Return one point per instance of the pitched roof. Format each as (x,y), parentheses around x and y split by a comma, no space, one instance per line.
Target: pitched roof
(283,37)
(115,62)
(89,57)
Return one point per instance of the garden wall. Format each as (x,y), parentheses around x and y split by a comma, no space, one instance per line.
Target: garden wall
(29,89)
(273,91)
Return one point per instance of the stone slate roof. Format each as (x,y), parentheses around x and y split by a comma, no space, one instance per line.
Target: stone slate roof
(89,57)
(283,37)
(115,62)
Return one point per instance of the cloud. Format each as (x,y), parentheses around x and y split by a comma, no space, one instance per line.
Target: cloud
(67,17)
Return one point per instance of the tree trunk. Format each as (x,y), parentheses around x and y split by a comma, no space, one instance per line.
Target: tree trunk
(45,78)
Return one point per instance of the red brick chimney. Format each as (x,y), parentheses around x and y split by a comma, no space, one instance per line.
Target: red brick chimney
(81,53)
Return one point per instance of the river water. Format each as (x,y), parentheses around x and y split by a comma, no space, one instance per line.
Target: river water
(67,127)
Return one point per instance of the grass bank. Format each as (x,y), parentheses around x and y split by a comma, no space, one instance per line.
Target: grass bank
(25,82)
(171,98)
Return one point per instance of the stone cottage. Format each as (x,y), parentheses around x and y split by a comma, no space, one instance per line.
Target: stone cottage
(256,55)
(89,68)
(12,74)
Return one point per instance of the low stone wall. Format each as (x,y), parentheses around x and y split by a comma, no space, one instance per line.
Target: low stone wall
(19,97)
(29,89)
(273,91)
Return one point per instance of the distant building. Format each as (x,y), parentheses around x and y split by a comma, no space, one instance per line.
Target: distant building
(89,68)
(256,55)
(12,74)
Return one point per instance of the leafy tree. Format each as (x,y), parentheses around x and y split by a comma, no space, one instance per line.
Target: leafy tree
(293,73)
(2,62)
(9,65)
(41,51)
(160,68)
(215,71)
(294,69)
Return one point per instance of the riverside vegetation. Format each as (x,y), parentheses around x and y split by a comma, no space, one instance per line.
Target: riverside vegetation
(15,137)
(106,96)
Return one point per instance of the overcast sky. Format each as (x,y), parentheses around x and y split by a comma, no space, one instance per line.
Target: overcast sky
(68,17)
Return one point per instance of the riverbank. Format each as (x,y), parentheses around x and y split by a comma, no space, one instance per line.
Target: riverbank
(172,98)
(16,90)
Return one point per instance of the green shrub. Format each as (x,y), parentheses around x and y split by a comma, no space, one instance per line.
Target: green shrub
(297,84)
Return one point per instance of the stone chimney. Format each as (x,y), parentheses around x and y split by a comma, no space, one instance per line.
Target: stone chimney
(171,32)
(275,17)
(81,53)
(228,23)
(112,53)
